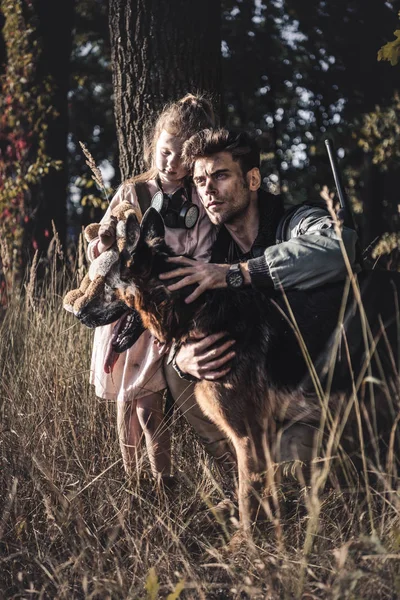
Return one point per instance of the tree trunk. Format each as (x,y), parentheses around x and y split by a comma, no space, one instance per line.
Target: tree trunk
(55,22)
(160,51)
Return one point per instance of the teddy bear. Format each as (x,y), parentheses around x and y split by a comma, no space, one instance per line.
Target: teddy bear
(104,270)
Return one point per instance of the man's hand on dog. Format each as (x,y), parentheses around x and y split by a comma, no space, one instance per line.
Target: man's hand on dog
(203,359)
(207,276)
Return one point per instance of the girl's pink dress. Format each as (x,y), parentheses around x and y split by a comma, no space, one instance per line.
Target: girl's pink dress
(138,372)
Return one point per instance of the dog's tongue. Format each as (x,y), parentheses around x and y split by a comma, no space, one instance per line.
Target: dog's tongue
(112,356)
(110,360)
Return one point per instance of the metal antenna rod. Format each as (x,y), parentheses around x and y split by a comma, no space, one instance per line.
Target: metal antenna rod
(343,199)
(345,210)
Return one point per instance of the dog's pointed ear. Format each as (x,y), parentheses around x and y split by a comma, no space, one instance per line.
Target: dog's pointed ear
(152,225)
(132,233)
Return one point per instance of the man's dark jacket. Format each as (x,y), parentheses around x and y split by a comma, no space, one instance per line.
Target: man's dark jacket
(301,250)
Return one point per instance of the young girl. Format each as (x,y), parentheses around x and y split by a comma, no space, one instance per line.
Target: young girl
(137,380)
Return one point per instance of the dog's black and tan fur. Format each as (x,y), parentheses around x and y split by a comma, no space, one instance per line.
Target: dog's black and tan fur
(269,380)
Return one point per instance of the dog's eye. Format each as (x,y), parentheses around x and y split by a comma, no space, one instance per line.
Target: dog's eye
(125,271)
(125,274)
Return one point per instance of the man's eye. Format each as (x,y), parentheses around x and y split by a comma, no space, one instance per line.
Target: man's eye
(200,182)
(165,152)
(220,175)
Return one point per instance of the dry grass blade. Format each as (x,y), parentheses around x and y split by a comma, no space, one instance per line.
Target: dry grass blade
(81,257)
(96,173)
(30,288)
(4,253)
(59,250)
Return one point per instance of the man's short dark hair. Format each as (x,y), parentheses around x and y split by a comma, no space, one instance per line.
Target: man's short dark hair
(208,142)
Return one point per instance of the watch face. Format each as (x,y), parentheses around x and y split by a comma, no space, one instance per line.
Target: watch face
(235,278)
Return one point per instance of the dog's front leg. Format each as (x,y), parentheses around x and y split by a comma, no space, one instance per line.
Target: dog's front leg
(251,467)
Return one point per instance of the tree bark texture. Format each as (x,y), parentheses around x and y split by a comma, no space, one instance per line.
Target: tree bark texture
(161,50)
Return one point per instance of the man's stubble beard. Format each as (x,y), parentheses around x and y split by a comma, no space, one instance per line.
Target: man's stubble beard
(233,213)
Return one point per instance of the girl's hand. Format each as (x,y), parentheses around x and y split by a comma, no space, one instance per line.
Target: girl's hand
(107,235)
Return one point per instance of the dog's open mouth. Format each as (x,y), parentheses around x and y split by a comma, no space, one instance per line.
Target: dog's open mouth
(126,332)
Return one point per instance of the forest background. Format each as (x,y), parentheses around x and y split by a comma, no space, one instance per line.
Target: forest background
(290,73)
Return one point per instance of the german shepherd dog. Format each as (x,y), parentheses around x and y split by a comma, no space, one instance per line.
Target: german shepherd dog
(285,347)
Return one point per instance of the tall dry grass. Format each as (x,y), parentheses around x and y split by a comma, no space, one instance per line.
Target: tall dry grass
(72,525)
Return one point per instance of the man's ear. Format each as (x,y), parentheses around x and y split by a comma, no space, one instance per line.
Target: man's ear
(253,179)
(152,225)
(132,233)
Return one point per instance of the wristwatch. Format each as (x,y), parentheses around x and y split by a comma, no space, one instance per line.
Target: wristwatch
(234,277)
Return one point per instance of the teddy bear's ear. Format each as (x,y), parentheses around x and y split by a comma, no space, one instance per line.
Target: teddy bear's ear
(91,231)
(152,225)
(132,233)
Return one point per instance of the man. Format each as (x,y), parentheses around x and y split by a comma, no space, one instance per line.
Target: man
(257,245)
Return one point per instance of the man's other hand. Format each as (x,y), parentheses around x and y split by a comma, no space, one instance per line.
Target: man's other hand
(204,358)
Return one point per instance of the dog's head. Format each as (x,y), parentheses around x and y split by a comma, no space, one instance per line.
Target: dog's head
(144,248)
(143,259)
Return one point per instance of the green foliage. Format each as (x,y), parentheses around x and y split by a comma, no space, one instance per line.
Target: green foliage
(380,134)
(25,111)
(391,50)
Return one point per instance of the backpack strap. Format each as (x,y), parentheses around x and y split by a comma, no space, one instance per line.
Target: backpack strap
(143,195)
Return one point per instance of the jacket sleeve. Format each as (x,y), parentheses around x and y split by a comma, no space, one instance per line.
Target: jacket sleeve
(310,256)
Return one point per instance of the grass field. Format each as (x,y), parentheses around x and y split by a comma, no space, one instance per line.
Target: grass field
(73,526)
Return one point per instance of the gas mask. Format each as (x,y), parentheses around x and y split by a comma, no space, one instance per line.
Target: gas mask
(176,209)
